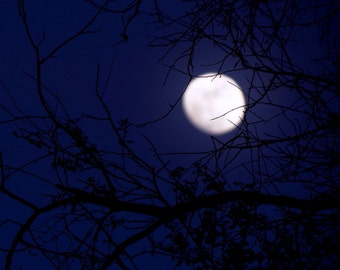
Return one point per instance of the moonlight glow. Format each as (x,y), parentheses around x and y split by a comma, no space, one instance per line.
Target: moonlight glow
(214,103)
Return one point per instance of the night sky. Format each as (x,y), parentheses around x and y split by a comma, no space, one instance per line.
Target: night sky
(138,85)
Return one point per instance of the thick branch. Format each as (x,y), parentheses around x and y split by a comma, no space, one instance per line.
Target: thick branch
(208,201)
(256,198)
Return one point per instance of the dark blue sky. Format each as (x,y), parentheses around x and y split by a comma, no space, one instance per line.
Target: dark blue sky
(135,90)
(138,87)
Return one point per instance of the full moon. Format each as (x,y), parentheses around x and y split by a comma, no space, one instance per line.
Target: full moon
(214,103)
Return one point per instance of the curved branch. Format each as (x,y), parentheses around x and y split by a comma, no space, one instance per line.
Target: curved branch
(28,223)
(129,241)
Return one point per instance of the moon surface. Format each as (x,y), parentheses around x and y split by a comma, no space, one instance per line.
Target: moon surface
(214,103)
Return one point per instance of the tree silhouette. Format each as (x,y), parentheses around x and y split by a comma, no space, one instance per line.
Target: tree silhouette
(267,197)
